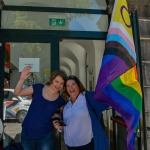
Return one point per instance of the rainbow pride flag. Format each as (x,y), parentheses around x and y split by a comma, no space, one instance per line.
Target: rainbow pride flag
(117,84)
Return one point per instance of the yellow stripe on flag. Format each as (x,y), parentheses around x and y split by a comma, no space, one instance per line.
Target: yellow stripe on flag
(122,16)
(129,79)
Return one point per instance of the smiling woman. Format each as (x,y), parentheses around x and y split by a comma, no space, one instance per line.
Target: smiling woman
(80,116)
(45,102)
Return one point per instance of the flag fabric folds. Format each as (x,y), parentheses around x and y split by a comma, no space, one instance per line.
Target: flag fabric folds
(117,84)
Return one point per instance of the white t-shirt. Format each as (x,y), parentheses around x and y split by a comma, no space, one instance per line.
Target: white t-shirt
(78,129)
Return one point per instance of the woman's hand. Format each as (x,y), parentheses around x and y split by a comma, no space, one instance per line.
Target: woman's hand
(56,124)
(25,73)
(55,119)
(19,90)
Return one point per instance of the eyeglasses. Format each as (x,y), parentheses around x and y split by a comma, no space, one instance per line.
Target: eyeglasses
(72,77)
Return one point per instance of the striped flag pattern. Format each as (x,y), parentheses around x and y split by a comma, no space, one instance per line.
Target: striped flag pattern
(117,84)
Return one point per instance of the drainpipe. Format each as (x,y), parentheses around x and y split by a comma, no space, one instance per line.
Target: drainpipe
(86,70)
(142,139)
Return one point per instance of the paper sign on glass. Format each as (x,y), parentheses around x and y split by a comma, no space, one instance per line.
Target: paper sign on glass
(34,62)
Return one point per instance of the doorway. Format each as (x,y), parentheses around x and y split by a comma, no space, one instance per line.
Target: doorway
(53,53)
(82,57)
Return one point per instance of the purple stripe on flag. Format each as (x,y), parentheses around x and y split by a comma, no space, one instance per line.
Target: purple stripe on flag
(111,71)
(99,96)
(125,103)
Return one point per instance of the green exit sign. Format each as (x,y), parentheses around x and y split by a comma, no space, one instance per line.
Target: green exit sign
(57,22)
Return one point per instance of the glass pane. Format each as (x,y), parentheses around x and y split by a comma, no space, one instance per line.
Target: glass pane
(54,21)
(16,107)
(76,56)
(86,4)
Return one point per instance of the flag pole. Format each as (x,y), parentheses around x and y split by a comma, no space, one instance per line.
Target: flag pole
(114,130)
(135,26)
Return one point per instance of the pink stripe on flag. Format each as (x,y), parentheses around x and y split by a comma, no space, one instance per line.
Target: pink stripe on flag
(119,32)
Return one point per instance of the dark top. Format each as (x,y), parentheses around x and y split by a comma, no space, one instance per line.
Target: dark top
(38,121)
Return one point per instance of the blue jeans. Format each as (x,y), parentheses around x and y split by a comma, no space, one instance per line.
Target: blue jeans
(45,143)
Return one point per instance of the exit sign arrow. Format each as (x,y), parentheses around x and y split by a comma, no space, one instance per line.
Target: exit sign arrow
(57,22)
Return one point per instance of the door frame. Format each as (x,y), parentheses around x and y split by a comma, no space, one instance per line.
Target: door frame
(41,36)
(48,36)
